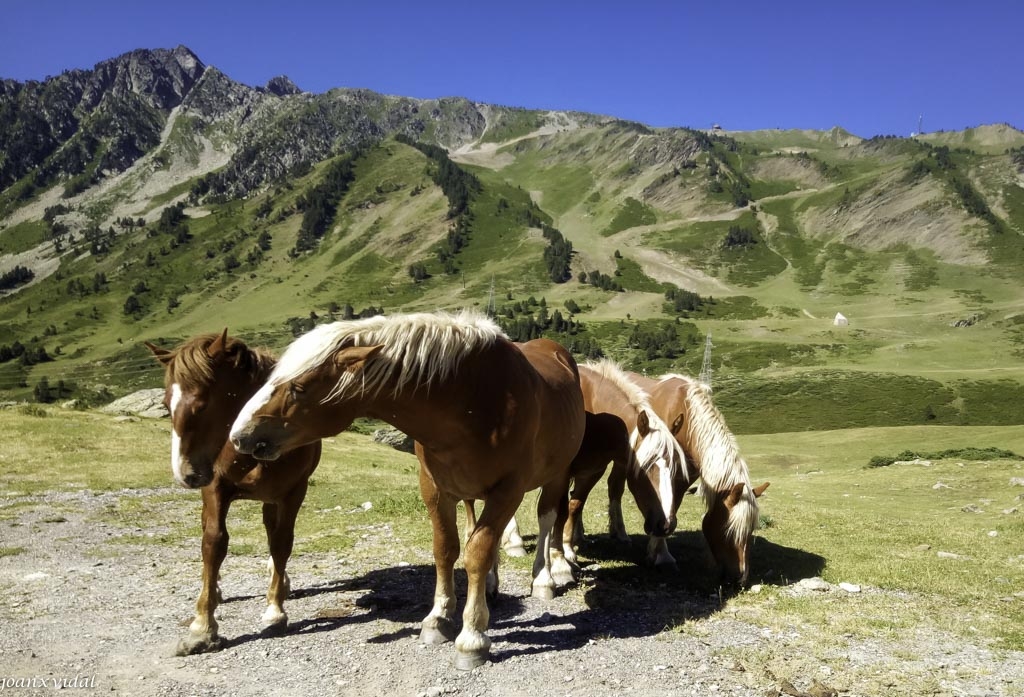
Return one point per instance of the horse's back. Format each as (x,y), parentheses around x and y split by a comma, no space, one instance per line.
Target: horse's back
(559,397)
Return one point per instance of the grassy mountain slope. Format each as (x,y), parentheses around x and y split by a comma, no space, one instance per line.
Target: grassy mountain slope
(773,231)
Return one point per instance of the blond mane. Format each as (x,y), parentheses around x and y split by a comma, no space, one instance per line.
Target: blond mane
(718,455)
(418,348)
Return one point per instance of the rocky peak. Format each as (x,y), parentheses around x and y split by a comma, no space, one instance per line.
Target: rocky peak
(161,77)
(282,86)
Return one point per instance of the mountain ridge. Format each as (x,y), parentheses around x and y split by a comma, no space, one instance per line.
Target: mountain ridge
(187,200)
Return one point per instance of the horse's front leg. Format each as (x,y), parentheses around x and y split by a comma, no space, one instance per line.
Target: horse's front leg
(586,475)
(616,487)
(658,554)
(202,633)
(279,521)
(439,625)
(472,646)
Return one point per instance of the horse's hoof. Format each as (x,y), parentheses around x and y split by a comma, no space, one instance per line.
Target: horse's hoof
(470,660)
(564,579)
(543,592)
(273,621)
(515,551)
(441,634)
(203,643)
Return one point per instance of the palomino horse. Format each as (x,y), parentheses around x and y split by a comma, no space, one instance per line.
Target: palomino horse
(649,460)
(207,380)
(731,501)
(624,429)
(491,420)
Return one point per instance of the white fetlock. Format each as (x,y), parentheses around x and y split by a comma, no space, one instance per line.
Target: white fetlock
(543,586)
(472,649)
(274,618)
(436,629)
(561,570)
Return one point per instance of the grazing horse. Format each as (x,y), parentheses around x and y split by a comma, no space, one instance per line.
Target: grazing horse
(207,380)
(649,459)
(730,500)
(624,429)
(491,420)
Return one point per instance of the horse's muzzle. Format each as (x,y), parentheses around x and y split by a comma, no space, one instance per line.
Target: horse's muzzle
(196,480)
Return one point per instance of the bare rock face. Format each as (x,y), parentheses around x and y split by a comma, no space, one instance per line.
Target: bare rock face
(148,403)
(282,86)
(160,77)
(394,438)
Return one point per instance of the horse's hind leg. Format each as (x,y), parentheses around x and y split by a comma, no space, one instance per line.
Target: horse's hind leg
(550,568)
(439,625)
(512,541)
(279,521)
(202,633)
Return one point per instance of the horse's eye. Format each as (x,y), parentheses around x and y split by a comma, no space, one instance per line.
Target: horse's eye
(295,389)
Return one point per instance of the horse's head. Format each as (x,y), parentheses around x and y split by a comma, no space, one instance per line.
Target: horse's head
(662,463)
(206,382)
(288,413)
(729,526)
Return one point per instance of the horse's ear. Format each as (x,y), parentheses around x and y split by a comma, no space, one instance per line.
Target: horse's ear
(354,358)
(677,424)
(734,495)
(760,490)
(643,423)
(217,346)
(161,354)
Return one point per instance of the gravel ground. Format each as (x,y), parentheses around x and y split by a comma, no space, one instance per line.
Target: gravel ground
(79,603)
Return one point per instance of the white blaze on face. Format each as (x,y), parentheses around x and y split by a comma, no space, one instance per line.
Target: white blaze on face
(251,407)
(175,438)
(665,487)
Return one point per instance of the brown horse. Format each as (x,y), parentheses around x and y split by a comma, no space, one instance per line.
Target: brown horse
(731,501)
(491,420)
(207,380)
(623,428)
(649,459)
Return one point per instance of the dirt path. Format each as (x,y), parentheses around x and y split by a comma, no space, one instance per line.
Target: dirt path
(107,602)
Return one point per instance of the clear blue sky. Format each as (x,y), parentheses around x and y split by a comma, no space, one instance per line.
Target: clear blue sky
(872,67)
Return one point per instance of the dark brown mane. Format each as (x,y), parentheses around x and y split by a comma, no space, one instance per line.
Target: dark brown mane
(191,365)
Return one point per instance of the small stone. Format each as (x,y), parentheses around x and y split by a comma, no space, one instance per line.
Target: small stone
(1016,481)
(36,576)
(850,587)
(922,548)
(756,588)
(814,584)
(1009,511)
(971,508)
(993,533)
(940,485)
(950,555)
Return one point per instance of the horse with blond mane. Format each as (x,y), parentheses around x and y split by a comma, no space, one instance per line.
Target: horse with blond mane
(491,420)
(731,502)
(622,428)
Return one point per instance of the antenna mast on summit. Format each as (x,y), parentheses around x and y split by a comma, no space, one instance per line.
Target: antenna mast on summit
(705,368)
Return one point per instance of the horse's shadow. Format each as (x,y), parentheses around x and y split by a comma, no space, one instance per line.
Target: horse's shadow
(622,600)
